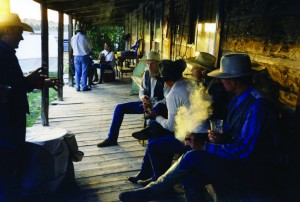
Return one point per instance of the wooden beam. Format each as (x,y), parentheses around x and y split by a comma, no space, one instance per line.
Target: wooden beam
(298,109)
(99,5)
(60,59)
(45,63)
(71,61)
(96,10)
(100,21)
(87,10)
(219,23)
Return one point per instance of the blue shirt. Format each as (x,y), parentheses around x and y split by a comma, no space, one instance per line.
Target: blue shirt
(249,118)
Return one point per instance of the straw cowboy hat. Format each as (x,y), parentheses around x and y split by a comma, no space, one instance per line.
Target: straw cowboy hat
(13,20)
(233,66)
(152,55)
(205,60)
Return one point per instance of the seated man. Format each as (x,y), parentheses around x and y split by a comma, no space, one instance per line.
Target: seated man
(246,161)
(151,88)
(107,61)
(163,146)
(205,64)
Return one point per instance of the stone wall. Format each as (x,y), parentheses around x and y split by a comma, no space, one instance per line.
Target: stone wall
(269,31)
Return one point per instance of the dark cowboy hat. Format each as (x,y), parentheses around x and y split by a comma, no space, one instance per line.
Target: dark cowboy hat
(172,71)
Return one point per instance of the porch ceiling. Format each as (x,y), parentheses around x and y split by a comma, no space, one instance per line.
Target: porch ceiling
(95,12)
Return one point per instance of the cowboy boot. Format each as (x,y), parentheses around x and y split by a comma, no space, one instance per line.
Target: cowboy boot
(159,189)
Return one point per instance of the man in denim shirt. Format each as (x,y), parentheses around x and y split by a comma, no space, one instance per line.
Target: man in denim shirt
(243,157)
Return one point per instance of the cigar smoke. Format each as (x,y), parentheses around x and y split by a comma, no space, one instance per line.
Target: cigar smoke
(187,119)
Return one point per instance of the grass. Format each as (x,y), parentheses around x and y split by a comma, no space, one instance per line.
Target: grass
(35,103)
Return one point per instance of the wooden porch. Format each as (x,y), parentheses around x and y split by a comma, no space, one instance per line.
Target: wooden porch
(102,174)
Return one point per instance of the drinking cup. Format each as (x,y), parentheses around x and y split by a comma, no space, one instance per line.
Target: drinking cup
(216,126)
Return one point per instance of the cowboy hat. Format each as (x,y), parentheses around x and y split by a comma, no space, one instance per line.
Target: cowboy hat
(152,55)
(172,71)
(78,27)
(233,66)
(13,20)
(205,60)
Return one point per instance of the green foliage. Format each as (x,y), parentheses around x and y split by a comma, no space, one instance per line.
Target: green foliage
(35,102)
(114,35)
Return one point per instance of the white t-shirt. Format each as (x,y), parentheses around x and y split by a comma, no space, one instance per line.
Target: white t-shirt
(178,96)
(109,57)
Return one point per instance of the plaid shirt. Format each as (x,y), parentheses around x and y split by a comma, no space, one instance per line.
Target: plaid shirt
(247,121)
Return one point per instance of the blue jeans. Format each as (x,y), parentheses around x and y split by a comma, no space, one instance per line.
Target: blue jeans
(81,68)
(120,110)
(160,152)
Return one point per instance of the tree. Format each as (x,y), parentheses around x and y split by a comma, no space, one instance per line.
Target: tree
(113,35)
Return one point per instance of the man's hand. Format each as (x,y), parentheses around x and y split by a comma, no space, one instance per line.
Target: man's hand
(194,141)
(149,114)
(217,137)
(53,83)
(37,80)
(146,102)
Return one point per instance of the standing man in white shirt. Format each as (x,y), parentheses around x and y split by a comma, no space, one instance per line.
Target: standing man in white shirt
(81,50)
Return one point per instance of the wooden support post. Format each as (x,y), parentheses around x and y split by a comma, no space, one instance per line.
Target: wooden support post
(45,63)
(297,112)
(71,61)
(60,59)
(219,28)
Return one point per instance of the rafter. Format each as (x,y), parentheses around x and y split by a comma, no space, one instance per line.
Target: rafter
(88,10)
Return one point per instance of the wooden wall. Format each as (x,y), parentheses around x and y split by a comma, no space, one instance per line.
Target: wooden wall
(269,31)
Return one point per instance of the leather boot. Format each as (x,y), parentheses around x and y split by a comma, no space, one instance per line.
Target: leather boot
(106,143)
(158,189)
(143,134)
(138,177)
(144,183)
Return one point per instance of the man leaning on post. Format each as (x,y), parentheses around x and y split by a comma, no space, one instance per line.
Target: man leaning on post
(13,103)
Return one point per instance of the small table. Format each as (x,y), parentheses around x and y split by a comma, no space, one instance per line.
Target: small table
(45,160)
(128,69)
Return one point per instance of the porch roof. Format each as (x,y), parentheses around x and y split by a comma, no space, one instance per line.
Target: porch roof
(95,12)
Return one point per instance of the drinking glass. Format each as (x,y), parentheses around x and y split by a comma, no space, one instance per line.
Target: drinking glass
(216,126)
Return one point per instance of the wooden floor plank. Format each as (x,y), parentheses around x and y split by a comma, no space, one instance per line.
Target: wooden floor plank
(102,174)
